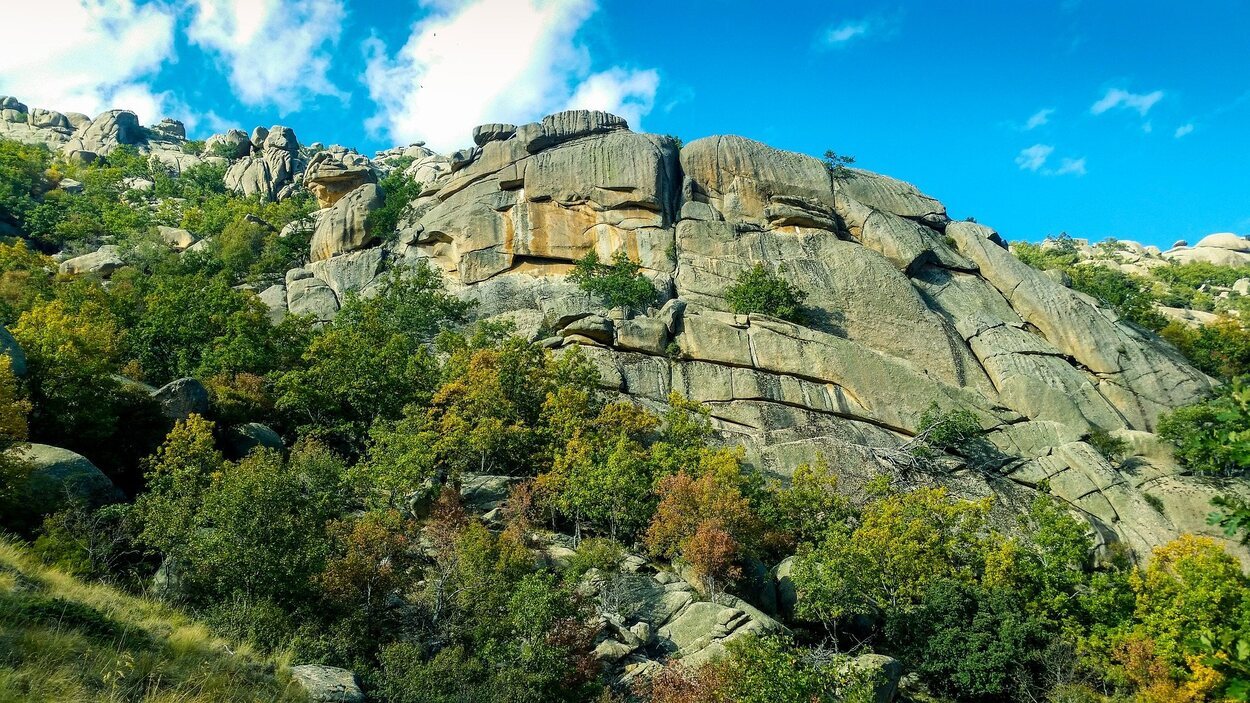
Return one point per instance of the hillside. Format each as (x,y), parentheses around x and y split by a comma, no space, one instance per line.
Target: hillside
(65,640)
(547,414)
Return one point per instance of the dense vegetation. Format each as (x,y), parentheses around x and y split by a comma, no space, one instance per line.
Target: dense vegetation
(352,546)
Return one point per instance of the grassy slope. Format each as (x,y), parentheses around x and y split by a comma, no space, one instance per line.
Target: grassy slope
(65,640)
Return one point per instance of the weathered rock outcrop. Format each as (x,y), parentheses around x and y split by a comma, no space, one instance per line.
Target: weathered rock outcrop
(335,172)
(272,166)
(907,310)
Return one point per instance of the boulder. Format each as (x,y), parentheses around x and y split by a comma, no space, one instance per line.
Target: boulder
(242,439)
(883,672)
(327,684)
(102,261)
(335,172)
(177,239)
(493,132)
(485,493)
(352,272)
(274,298)
(593,327)
(232,144)
(311,296)
(344,228)
(181,398)
(171,128)
(1225,240)
(568,125)
(60,475)
(106,132)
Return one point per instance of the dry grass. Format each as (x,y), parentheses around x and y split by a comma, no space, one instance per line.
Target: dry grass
(65,640)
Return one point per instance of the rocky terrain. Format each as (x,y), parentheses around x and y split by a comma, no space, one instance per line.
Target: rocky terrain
(909,310)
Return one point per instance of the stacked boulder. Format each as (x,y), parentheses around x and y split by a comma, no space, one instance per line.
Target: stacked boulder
(272,166)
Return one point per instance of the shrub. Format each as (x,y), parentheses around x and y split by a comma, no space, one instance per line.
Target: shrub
(398,191)
(620,283)
(759,291)
(1220,348)
(1128,295)
(1112,448)
(1213,436)
(953,431)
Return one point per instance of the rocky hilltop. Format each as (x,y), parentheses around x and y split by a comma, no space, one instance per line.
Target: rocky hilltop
(909,309)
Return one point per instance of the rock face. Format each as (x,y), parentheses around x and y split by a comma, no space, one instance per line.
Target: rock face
(335,172)
(907,309)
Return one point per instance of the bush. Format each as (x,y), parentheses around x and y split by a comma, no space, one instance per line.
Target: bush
(620,283)
(1128,295)
(760,291)
(951,431)
(1214,436)
(398,191)
(1112,448)
(1220,348)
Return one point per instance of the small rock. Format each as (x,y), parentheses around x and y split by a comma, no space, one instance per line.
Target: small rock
(327,684)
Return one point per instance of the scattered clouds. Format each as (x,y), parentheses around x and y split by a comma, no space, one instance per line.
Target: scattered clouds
(1075,167)
(1115,97)
(848,32)
(1183,130)
(1036,157)
(87,56)
(494,61)
(1039,118)
(277,52)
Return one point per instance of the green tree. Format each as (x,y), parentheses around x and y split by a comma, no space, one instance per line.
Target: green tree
(759,291)
(71,358)
(372,362)
(22,178)
(620,283)
(883,563)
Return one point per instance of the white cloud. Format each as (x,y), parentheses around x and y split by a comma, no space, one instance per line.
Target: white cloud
(277,52)
(629,94)
(1039,118)
(1034,157)
(850,31)
(847,31)
(86,55)
(1142,102)
(1183,130)
(494,61)
(1075,167)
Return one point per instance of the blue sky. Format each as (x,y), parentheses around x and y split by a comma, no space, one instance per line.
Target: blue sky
(1125,119)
